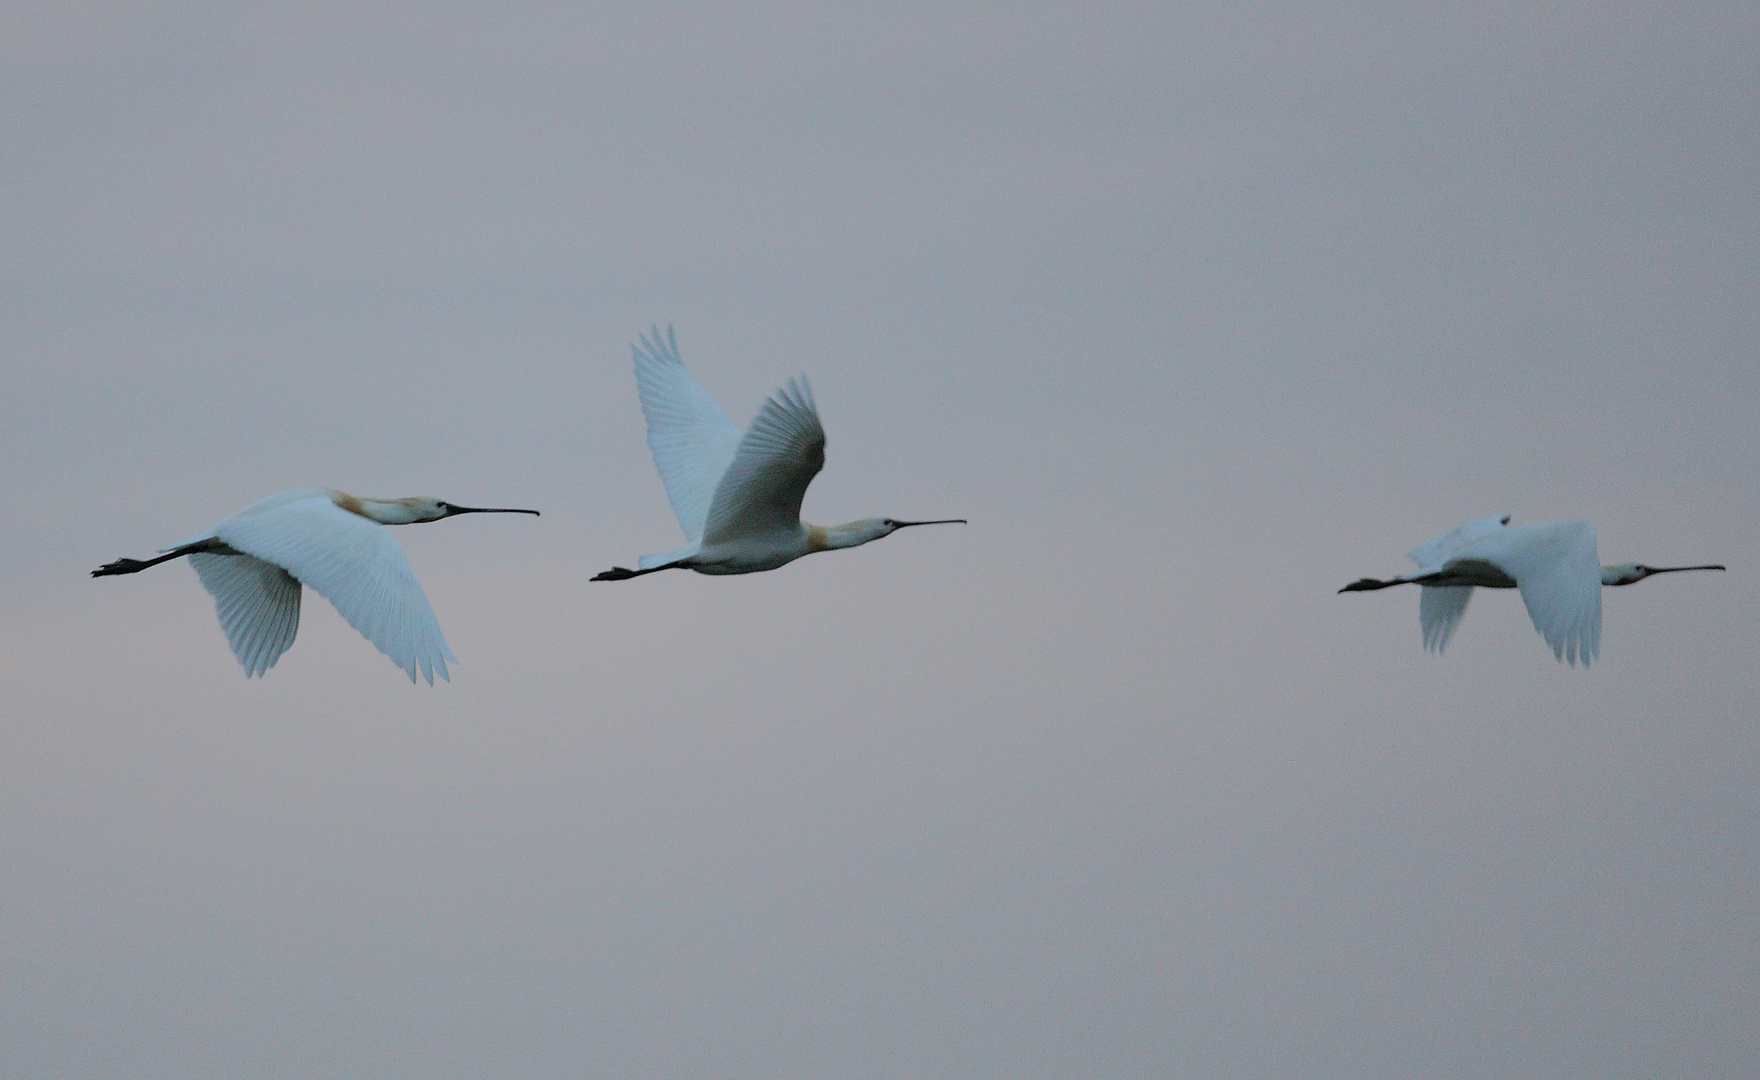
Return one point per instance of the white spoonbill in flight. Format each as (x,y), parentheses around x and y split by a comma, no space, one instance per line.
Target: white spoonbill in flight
(1553,563)
(738,498)
(254,562)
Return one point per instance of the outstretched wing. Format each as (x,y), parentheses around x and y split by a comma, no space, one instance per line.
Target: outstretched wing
(357,566)
(692,439)
(781,453)
(258,605)
(1559,574)
(1432,553)
(1440,608)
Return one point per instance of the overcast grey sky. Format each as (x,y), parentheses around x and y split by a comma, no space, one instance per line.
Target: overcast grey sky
(1196,316)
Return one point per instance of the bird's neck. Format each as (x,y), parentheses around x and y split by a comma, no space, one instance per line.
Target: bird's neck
(831,537)
(383,511)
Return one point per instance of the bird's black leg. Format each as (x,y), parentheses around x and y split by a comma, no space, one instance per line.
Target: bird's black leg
(1369,584)
(624,573)
(135,566)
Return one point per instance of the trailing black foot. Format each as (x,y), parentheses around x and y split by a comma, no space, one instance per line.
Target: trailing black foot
(121,566)
(1369,584)
(135,566)
(617,573)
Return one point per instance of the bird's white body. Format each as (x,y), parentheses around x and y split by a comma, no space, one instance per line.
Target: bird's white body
(750,553)
(737,497)
(255,562)
(1553,563)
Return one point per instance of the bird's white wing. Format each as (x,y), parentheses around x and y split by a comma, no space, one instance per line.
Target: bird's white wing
(1559,575)
(781,453)
(1432,553)
(692,439)
(357,566)
(258,605)
(1440,608)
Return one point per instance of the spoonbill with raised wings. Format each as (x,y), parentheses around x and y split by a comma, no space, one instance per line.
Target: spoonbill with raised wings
(254,562)
(1553,563)
(738,498)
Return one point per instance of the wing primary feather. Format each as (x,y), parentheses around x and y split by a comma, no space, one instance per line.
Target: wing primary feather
(689,434)
(257,604)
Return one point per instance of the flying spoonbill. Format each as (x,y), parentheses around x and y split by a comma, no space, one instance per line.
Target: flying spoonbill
(254,562)
(738,498)
(1553,563)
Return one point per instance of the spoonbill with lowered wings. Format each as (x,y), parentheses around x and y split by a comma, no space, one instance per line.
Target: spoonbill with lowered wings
(1553,563)
(254,562)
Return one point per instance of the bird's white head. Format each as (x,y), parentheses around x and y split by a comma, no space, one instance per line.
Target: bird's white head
(414,509)
(857,533)
(887,526)
(1626,573)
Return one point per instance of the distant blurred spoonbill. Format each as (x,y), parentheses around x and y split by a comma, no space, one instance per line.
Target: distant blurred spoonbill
(738,498)
(1553,563)
(254,562)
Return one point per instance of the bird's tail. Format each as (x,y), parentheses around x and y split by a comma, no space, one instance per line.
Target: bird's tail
(649,562)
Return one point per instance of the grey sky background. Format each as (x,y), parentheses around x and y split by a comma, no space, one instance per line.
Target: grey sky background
(1195,315)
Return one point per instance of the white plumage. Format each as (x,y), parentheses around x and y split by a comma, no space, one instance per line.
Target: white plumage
(254,563)
(738,498)
(1553,563)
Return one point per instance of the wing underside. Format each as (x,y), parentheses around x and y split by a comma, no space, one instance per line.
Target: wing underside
(1440,608)
(1559,574)
(258,606)
(1556,569)
(356,565)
